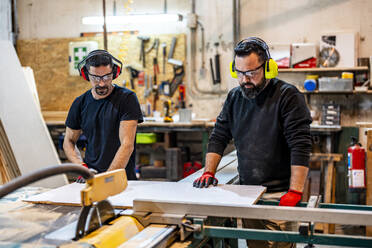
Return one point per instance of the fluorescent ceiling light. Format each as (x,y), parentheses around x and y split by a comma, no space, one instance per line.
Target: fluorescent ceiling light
(134,19)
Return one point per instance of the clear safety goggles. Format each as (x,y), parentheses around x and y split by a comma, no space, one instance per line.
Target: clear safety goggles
(250,73)
(105,78)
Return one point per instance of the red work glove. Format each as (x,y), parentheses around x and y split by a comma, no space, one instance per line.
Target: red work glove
(205,180)
(291,198)
(81,179)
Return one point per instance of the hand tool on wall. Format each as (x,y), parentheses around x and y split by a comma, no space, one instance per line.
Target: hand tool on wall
(182,91)
(154,45)
(171,60)
(178,74)
(141,78)
(155,63)
(154,87)
(148,86)
(173,45)
(216,77)
(142,57)
(167,106)
(164,89)
(133,75)
(178,69)
(164,46)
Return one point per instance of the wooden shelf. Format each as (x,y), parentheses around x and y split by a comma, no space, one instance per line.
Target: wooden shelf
(320,69)
(336,92)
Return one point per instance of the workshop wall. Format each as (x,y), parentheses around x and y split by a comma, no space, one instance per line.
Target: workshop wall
(57,89)
(56,19)
(42,19)
(280,21)
(286,22)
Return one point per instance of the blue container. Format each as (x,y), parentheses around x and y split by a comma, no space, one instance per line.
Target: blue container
(310,84)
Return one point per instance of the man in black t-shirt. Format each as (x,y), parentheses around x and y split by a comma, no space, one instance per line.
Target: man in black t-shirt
(107,115)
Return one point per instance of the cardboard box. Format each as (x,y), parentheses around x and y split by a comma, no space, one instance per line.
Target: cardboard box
(303,55)
(281,54)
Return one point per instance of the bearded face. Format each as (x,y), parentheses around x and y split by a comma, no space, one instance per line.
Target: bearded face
(250,90)
(250,71)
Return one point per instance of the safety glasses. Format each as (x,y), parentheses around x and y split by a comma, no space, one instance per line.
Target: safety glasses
(250,73)
(105,78)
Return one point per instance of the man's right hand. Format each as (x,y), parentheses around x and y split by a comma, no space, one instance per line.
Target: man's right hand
(81,179)
(205,180)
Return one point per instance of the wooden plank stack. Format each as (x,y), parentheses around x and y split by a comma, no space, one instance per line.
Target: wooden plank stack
(8,164)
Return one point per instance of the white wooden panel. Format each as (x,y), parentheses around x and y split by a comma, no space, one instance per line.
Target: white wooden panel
(222,195)
(23,123)
(6,20)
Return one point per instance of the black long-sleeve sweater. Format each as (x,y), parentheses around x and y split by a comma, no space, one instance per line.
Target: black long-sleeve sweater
(270,132)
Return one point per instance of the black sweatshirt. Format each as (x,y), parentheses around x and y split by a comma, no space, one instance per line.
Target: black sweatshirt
(270,132)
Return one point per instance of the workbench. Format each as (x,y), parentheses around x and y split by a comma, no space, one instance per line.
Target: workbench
(55,121)
(25,224)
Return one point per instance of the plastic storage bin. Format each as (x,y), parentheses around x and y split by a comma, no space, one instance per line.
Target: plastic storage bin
(145,138)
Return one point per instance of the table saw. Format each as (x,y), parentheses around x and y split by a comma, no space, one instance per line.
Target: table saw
(95,215)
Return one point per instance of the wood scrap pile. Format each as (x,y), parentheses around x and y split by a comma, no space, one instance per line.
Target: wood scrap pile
(8,164)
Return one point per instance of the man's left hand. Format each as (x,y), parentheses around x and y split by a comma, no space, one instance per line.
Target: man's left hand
(291,198)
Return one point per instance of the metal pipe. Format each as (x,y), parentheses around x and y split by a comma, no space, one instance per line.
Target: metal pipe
(104,25)
(165,7)
(236,20)
(202,44)
(193,69)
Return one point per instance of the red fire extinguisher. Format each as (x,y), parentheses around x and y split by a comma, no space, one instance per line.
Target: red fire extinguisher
(356,166)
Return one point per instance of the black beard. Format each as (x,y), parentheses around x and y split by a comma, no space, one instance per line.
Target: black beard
(251,93)
(101,90)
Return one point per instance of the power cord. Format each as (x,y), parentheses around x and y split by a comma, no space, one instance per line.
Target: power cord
(24,180)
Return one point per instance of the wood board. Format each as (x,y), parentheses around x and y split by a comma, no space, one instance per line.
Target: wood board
(25,128)
(8,164)
(223,195)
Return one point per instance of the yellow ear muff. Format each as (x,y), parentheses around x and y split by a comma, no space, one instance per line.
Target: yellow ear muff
(232,70)
(273,69)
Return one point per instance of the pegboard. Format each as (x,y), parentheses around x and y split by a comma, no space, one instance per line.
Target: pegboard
(57,89)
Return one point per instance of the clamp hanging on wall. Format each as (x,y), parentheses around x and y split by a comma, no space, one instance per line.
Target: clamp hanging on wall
(216,77)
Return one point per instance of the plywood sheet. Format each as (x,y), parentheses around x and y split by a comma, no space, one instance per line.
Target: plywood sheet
(224,195)
(25,128)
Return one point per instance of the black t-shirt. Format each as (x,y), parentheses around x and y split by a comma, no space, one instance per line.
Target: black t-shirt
(270,132)
(100,121)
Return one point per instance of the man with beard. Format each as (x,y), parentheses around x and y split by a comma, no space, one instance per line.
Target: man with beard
(107,115)
(270,124)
